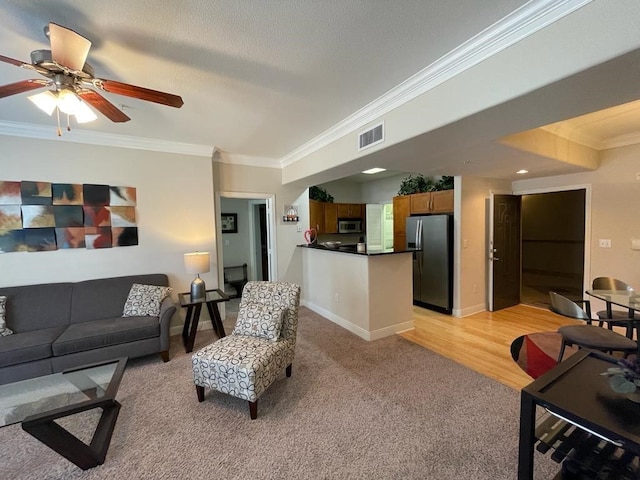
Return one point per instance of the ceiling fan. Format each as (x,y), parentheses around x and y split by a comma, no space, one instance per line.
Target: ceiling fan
(73,81)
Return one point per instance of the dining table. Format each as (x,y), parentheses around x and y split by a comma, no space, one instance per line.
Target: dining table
(629,299)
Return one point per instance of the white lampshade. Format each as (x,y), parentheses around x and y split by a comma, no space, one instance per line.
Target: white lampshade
(197,262)
(67,101)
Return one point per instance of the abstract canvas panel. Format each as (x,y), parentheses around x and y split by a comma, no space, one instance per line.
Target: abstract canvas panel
(35,193)
(97,217)
(37,216)
(12,241)
(97,237)
(123,216)
(123,196)
(95,195)
(124,237)
(40,239)
(10,217)
(71,237)
(67,194)
(10,193)
(68,215)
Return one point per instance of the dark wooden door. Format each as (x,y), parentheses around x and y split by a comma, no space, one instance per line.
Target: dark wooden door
(264,257)
(505,258)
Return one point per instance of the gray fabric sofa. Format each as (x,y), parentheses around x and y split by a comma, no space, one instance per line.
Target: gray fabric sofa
(64,325)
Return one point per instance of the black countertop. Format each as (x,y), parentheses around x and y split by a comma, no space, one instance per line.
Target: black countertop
(352,249)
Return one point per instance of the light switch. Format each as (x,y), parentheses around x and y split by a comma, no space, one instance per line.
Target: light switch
(604,243)
(635,244)
(227,243)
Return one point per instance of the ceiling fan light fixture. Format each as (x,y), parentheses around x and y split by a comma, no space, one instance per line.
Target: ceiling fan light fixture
(45,101)
(68,101)
(84,114)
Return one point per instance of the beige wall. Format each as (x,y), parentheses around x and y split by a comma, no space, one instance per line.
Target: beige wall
(471,242)
(247,179)
(175,211)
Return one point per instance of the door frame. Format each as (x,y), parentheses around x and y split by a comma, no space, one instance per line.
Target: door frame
(492,193)
(586,281)
(270,201)
(253,246)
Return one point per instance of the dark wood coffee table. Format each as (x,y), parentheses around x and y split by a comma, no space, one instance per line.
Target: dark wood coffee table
(38,402)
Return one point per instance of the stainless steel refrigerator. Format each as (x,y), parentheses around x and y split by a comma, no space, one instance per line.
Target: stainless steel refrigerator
(433,264)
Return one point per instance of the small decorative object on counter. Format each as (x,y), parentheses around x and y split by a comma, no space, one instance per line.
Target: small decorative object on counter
(310,236)
(362,247)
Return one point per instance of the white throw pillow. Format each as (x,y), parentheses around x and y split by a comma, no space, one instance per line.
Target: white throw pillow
(4,331)
(259,320)
(145,300)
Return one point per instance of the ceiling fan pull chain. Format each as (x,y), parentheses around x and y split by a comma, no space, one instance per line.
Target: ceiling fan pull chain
(58,116)
(68,124)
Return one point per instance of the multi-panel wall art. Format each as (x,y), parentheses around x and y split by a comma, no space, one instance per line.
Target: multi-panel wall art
(41,216)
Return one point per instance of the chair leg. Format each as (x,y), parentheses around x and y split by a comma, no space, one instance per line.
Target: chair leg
(165,355)
(200,393)
(253,410)
(564,344)
(289,367)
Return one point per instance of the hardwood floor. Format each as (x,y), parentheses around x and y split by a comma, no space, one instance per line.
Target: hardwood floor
(482,341)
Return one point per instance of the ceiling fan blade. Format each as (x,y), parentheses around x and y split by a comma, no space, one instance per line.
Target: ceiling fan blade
(101,104)
(20,87)
(15,62)
(68,48)
(147,94)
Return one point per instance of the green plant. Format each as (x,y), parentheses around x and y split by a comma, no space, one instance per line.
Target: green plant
(319,194)
(416,184)
(445,183)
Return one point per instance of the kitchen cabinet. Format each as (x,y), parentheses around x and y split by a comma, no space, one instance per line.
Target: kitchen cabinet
(316,216)
(330,218)
(350,210)
(401,210)
(432,202)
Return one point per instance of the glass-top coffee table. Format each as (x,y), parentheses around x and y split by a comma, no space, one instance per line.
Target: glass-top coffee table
(38,402)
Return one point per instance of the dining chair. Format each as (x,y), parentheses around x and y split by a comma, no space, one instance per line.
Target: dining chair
(587,336)
(621,318)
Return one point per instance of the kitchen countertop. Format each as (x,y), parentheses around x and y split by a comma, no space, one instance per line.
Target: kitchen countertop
(352,249)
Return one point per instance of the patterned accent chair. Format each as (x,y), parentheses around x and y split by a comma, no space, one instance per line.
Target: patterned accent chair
(262,344)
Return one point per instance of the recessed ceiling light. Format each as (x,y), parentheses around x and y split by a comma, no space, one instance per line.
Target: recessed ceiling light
(522,172)
(371,171)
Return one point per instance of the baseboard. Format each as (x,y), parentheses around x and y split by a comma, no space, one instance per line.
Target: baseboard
(359,331)
(465,312)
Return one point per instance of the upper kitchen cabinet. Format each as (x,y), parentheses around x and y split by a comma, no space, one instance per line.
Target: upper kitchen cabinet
(431,202)
(350,210)
(330,218)
(401,210)
(316,216)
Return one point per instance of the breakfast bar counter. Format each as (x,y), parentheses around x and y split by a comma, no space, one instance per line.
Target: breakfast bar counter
(368,293)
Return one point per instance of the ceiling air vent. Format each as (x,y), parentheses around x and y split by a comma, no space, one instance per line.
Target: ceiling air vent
(371,137)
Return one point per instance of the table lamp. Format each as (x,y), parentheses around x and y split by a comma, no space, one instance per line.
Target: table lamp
(197,262)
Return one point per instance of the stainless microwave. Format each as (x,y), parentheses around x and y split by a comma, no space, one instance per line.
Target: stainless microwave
(350,225)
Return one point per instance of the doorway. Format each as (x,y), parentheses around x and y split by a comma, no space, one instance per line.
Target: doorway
(251,242)
(551,252)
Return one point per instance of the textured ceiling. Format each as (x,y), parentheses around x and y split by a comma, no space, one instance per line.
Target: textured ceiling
(258,78)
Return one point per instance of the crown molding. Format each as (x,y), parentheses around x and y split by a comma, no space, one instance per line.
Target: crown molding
(621,141)
(246,160)
(105,139)
(516,26)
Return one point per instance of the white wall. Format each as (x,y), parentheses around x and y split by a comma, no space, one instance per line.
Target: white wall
(383,190)
(175,210)
(236,246)
(344,191)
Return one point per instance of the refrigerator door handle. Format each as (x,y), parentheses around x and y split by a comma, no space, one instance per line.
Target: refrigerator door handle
(419,235)
(417,244)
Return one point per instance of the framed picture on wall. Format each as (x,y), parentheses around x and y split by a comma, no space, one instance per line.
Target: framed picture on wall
(229,222)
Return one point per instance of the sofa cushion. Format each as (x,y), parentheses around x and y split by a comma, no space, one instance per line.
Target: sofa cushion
(4,330)
(79,337)
(27,346)
(145,300)
(105,297)
(259,320)
(34,307)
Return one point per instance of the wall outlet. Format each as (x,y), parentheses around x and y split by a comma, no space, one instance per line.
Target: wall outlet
(337,298)
(604,243)
(299,228)
(227,243)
